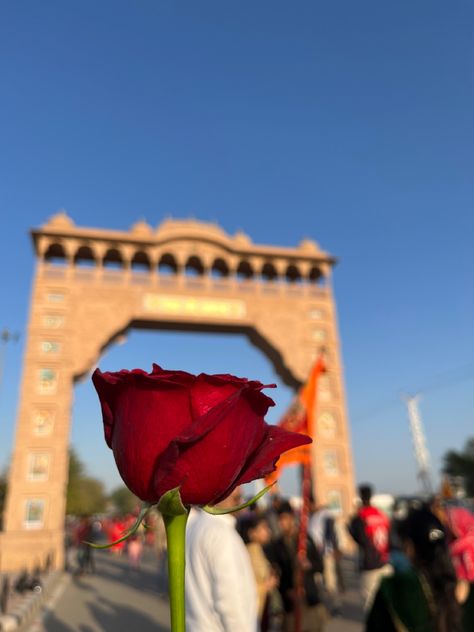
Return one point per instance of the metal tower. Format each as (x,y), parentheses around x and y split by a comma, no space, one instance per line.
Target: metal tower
(419,443)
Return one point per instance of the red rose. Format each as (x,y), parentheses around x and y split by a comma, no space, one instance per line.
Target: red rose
(205,434)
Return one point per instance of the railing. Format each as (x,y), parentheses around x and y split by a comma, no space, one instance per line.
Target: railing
(99,276)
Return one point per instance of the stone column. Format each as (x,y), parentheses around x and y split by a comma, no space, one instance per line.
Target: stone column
(35,507)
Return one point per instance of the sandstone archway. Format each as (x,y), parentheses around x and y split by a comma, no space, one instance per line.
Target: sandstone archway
(183,275)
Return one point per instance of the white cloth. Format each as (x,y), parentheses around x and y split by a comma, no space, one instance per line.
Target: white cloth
(317,529)
(370,582)
(221,595)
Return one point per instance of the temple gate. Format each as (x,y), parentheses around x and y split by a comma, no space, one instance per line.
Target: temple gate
(92,285)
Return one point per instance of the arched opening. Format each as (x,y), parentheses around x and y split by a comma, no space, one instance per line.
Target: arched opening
(140,262)
(219,269)
(293,275)
(84,257)
(315,276)
(113,260)
(244,270)
(269,272)
(167,265)
(195,349)
(55,254)
(194,267)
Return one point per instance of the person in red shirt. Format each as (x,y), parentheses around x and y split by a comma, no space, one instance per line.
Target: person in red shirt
(370,529)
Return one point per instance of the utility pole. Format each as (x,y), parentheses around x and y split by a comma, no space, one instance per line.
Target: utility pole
(419,443)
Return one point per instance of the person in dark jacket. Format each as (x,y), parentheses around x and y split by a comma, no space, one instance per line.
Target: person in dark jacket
(427,597)
(370,529)
(283,554)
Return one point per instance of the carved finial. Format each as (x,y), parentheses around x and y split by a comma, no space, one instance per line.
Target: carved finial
(242,239)
(141,228)
(60,220)
(308,244)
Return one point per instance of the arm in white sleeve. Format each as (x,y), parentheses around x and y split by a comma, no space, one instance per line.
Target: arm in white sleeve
(235,593)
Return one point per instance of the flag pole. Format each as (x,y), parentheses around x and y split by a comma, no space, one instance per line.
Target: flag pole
(306,493)
(306,488)
(300,417)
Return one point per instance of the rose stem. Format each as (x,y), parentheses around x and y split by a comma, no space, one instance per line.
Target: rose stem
(175,536)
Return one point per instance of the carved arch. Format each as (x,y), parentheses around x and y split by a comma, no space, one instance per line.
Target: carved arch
(293,274)
(220,268)
(85,255)
(140,262)
(244,270)
(109,335)
(269,272)
(194,266)
(316,275)
(113,258)
(167,264)
(55,253)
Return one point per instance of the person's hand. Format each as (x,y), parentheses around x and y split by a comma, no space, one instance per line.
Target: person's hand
(462,591)
(272,582)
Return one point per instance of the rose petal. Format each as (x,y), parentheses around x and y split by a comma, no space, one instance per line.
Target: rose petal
(209,390)
(264,458)
(145,423)
(205,465)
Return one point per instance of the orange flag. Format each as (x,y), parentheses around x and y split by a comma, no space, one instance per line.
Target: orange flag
(300,417)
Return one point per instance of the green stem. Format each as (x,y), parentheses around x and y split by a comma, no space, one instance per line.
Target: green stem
(176,536)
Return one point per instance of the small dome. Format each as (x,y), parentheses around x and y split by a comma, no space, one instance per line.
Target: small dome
(60,220)
(141,228)
(242,239)
(309,245)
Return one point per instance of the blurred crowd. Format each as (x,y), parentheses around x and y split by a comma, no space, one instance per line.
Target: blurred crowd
(258,570)
(107,532)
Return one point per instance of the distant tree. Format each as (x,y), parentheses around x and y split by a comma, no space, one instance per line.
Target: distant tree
(85,495)
(462,464)
(123,500)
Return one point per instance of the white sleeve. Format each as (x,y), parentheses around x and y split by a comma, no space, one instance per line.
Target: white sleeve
(235,592)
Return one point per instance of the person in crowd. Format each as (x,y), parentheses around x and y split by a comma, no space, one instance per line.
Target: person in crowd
(248,512)
(322,530)
(134,551)
(160,550)
(370,529)
(134,543)
(300,598)
(84,534)
(271,514)
(116,529)
(460,522)
(256,534)
(427,597)
(221,595)
(70,552)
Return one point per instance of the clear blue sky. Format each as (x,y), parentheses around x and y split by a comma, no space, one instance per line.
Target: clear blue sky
(350,123)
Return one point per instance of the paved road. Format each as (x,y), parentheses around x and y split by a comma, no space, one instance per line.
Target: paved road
(352,617)
(116,599)
(113,599)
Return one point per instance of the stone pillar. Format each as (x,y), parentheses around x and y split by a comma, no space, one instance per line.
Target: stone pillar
(35,507)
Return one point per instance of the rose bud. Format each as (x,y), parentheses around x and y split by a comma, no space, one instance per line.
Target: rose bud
(205,434)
